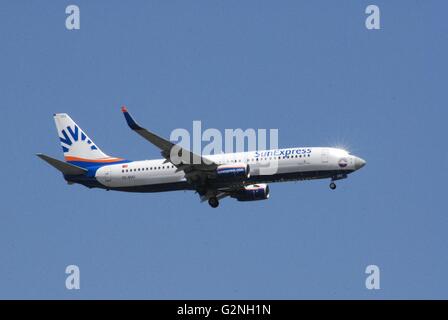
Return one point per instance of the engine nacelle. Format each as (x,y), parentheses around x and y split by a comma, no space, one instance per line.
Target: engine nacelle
(253,192)
(233,171)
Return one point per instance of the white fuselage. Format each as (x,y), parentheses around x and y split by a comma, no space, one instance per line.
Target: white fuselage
(265,166)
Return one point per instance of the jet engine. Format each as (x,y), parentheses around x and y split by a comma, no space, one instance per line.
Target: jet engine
(233,171)
(252,192)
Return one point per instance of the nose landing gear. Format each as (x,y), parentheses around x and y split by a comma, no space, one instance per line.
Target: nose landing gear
(337,177)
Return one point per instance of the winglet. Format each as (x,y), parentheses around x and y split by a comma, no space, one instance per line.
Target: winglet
(131,122)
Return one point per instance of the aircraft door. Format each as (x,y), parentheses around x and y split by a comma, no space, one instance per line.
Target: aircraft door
(107,174)
(325,155)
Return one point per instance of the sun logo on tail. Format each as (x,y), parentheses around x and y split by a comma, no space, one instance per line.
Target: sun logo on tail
(75,135)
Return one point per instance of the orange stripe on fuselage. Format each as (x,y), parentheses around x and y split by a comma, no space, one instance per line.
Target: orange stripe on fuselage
(93,160)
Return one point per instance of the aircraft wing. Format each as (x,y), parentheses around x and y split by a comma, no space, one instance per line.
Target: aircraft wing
(196,168)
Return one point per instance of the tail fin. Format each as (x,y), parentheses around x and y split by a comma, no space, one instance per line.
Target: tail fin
(78,148)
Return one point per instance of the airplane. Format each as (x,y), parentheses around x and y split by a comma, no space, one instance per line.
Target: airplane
(213,177)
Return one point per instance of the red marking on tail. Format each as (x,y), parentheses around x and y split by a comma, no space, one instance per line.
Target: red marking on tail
(124,109)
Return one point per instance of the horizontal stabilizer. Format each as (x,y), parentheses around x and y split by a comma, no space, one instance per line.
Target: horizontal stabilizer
(64,167)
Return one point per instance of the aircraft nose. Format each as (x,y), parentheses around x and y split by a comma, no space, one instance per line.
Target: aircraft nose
(359,163)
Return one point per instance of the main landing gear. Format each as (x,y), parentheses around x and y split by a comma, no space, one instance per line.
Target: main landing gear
(332,186)
(213,202)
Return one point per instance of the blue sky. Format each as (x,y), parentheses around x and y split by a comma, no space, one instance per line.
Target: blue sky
(309,68)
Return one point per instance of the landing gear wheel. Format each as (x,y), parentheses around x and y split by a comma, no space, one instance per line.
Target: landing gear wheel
(332,186)
(213,202)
